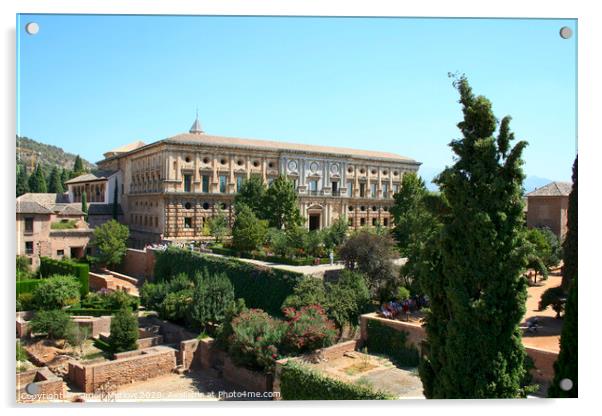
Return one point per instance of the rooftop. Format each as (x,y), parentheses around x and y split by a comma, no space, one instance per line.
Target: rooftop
(552,189)
(47,204)
(89,177)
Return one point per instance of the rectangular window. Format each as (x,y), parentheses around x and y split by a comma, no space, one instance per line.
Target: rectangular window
(350,222)
(295,183)
(374,222)
(362,222)
(350,188)
(29,225)
(187,222)
(335,188)
(385,190)
(373,190)
(313,185)
(395,188)
(386,222)
(239,181)
(187,183)
(60,253)
(223,183)
(205,183)
(29,247)
(362,190)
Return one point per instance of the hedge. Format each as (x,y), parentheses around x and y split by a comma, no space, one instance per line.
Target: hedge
(298,382)
(383,339)
(81,271)
(273,259)
(260,287)
(91,312)
(27,286)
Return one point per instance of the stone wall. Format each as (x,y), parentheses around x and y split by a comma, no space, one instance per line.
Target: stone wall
(139,366)
(22,323)
(172,333)
(138,263)
(249,380)
(543,373)
(47,386)
(96,325)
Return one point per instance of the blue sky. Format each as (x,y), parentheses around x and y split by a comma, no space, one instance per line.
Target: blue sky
(92,83)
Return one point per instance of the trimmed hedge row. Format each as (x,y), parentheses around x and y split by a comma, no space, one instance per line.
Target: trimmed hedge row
(273,259)
(91,312)
(260,287)
(298,382)
(81,271)
(386,340)
(27,286)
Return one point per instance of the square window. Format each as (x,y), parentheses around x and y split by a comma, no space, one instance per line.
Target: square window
(188,222)
(60,253)
(29,225)
(29,247)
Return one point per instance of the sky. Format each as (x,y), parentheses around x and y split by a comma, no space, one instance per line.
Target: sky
(90,83)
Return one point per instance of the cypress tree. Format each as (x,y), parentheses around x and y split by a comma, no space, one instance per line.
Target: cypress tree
(85,205)
(477,291)
(37,181)
(54,182)
(64,178)
(22,180)
(78,166)
(565,366)
(115,202)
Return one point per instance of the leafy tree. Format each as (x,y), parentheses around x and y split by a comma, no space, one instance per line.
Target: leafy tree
(78,166)
(212,295)
(218,225)
(22,267)
(56,324)
(281,204)
(315,243)
(403,293)
(85,205)
(22,180)
(347,298)
(152,295)
(176,306)
(248,231)
(110,242)
(56,292)
(225,330)
(336,234)
(54,182)
(566,366)
(251,194)
(308,291)
(116,201)
(569,269)
(372,254)
(37,181)
(124,331)
(277,240)
(297,239)
(555,297)
(477,291)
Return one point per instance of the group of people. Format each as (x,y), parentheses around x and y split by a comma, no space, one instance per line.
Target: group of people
(402,309)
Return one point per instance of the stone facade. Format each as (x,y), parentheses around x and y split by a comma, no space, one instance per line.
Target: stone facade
(171,187)
(548,207)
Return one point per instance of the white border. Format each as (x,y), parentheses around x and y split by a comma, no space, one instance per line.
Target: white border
(589,73)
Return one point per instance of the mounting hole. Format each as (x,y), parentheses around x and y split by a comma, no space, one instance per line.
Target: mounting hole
(566,384)
(565,33)
(32,28)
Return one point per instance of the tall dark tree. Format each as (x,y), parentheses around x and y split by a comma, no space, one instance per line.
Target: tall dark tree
(55,185)
(78,166)
(85,205)
(252,194)
(22,180)
(116,200)
(566,365)
(37,181)
(477,291)
(569,270)
(64,178)
(281,204)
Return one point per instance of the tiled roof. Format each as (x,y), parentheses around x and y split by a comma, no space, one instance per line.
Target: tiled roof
(30,207)
(67,209)
(88,177)
(221,141)
(552,189)
(44,199)
(103,209)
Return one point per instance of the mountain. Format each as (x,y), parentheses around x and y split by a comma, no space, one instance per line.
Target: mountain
(29,152)
(530,183)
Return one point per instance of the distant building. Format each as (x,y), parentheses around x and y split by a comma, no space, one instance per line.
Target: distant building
(49,225)
(169,188)
(548,206)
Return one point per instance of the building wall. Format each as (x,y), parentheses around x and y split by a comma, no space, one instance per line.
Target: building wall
(172,189)
(548,211)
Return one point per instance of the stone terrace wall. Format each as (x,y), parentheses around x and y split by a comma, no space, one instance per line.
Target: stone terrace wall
(172,333)
(139,263)
(96,325)
(132,367)
(249,380)
(48,386)
(543,359)
(22,321)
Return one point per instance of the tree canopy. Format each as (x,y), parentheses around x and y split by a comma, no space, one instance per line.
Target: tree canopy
(110,241)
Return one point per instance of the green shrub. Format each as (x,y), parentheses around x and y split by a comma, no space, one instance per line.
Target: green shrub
(23,268)
(25,302)
(152,295)
(308,329)
(176,306)
(301,383)
(555,297)
(248,231)
(90,311)
(255,339)
(21,353)
(66,225)
(81,271)
(124,331)
(403,293)
(225,330)
(385,340)
(260,287)
(347,298)
(27,286)
(308,291)
(56,324)
(212,294)
(56,292)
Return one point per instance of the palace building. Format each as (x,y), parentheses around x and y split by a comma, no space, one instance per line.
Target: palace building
(169,188)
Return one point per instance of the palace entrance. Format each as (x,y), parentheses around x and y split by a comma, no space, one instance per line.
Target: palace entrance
(314,222)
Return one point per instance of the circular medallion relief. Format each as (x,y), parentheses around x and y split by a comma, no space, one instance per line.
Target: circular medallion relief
(292,165)
(314,166)
(334,168)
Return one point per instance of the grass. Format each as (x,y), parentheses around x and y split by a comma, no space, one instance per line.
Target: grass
(63,225)
(93,355)
(21,354)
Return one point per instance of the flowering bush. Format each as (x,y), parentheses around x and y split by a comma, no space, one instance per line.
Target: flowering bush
(308,329)
(255,339)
